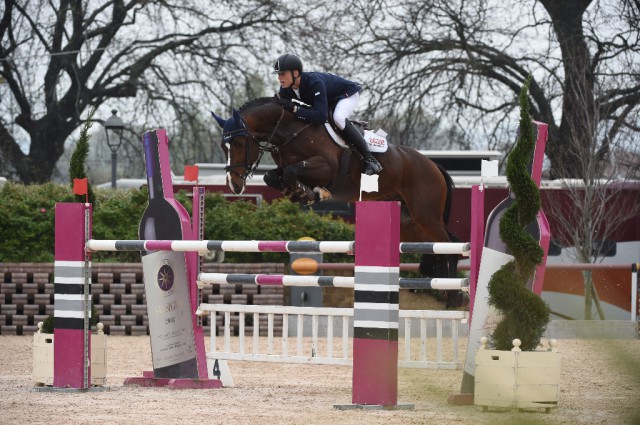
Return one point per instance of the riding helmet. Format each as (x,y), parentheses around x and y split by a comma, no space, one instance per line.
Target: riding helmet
(287,62)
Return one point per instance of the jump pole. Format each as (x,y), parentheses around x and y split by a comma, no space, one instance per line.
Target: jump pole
(325,281)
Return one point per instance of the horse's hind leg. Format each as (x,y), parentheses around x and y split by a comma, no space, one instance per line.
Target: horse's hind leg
(439,265)
(432,228)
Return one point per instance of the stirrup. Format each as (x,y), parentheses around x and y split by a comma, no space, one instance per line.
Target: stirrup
(372,166)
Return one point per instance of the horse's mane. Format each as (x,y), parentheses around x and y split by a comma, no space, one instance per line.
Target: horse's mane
(257,102)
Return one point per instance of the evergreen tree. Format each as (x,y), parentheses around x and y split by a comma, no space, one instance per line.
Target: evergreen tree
(524,314)
(77,168)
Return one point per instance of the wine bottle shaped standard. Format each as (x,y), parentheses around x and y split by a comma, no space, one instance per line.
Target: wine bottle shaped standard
(165,277)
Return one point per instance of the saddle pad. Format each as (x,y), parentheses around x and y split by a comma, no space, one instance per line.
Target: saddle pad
(377,142)
(335,136)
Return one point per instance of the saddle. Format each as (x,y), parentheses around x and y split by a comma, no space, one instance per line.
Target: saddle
(377,142)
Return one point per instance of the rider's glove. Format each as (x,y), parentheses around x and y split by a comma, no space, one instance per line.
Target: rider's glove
(287,105)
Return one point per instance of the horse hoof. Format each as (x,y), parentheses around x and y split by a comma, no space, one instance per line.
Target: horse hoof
(322,193)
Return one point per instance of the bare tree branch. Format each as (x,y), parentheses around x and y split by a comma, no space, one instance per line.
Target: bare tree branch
(59,58)
(464,62)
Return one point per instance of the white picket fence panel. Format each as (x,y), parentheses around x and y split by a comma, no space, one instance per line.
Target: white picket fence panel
(421,349)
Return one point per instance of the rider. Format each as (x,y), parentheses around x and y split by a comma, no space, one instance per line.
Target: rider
(320,91)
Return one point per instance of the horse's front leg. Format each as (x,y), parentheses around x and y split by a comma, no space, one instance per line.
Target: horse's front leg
(301,180)
(291,188)
(273,179)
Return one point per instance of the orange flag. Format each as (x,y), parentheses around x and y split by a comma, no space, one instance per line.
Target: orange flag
(191,173)
(80,186)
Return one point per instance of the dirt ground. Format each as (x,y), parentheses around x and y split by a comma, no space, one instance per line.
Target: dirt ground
(600,384)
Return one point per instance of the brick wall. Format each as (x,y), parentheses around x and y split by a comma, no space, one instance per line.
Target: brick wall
(26,295)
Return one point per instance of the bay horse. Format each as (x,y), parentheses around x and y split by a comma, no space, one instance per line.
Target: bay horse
(311,167)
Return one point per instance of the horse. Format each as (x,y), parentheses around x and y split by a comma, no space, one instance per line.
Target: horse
(311,167)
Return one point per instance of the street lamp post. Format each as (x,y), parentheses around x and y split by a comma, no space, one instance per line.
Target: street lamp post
(114,125)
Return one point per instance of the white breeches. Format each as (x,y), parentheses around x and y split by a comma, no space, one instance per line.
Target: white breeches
(344,108)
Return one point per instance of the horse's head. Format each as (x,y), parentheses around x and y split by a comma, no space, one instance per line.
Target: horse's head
(236,144)
(244,140)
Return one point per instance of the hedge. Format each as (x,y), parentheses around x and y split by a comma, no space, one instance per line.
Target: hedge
(27,217)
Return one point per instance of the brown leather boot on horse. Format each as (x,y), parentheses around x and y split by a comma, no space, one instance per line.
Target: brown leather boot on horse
(355,139)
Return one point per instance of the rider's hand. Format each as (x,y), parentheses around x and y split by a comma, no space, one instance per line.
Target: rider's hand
(287,105)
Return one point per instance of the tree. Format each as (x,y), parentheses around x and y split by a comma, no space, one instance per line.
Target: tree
(590,211)
(58,59)
(77,164)
(465,61)
(418,130)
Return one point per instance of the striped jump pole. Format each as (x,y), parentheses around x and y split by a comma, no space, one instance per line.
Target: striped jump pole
(460,248)
(326,281)
(335,247)
(72,298)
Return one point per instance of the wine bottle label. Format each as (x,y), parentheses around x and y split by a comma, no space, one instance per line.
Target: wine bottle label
(485,317)
(170,324)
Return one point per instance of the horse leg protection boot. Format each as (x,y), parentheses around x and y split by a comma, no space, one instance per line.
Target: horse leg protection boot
(372,166)
(274,179)
(304,194)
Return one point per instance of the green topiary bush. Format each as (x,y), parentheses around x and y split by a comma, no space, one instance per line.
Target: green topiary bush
(524,314)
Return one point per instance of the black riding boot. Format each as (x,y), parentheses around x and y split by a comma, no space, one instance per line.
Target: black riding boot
(372,166)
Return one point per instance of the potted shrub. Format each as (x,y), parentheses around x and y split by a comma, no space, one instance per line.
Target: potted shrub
(43,356)
(511,374)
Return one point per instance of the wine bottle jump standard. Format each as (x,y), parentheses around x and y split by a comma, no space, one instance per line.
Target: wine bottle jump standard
(166,281)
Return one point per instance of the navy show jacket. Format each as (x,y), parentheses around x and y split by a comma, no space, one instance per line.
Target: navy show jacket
(320,90)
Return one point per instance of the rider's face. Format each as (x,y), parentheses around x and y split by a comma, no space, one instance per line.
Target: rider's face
(286,79)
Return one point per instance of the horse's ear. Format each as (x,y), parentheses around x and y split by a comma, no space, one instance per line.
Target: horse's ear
(220,121)
(236,116)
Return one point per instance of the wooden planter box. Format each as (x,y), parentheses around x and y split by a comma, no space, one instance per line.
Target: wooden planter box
(43,358)
(517,379)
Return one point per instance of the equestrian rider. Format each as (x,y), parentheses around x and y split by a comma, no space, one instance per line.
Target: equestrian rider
(321,91)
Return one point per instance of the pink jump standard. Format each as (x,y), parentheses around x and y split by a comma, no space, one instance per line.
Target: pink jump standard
(72,300)
(376,308)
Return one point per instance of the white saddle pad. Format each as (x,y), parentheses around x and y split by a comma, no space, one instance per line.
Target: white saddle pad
(377,141)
